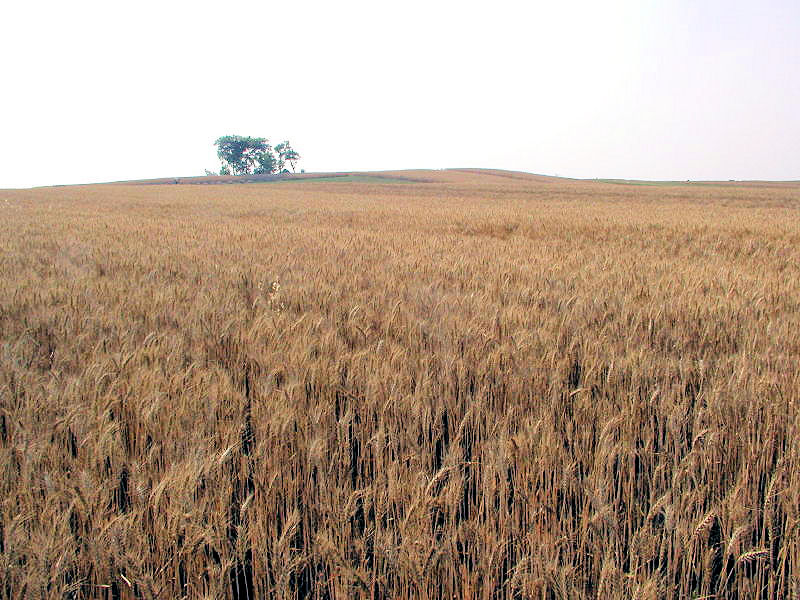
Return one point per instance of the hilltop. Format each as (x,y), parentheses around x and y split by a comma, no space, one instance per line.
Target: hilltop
(441,176)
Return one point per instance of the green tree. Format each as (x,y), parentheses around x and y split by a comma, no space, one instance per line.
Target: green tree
(243,155)
(265,164)
(286,154)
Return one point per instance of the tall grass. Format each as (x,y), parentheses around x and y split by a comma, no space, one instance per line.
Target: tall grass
(477,387)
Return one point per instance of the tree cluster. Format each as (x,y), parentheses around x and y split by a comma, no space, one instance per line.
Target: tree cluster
(242,155)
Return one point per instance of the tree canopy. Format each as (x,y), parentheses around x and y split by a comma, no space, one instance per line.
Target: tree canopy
(286,154)
(241,155)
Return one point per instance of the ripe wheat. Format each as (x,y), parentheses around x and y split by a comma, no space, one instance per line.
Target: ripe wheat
(475,385)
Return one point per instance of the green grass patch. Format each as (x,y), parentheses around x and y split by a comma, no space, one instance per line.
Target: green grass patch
(648,183)
(665,183)
(346,179)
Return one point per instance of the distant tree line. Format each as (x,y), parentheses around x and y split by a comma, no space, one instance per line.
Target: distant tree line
(242,155)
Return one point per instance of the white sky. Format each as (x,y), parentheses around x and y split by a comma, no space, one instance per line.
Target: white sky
(669,89)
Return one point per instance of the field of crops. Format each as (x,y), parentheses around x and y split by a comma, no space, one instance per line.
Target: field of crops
(467,385)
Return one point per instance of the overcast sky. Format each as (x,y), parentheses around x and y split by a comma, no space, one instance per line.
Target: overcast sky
(668,89)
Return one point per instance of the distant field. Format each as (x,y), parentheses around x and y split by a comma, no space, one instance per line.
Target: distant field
(731,183)
(353,178)
(387,177)
(421,384)
(440,176)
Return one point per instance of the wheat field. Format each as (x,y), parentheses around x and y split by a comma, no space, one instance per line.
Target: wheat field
(464,384)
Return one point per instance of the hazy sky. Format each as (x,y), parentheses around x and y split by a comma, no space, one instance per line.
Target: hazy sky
(669,89)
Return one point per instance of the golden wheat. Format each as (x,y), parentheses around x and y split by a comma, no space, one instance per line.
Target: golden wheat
(472,385)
